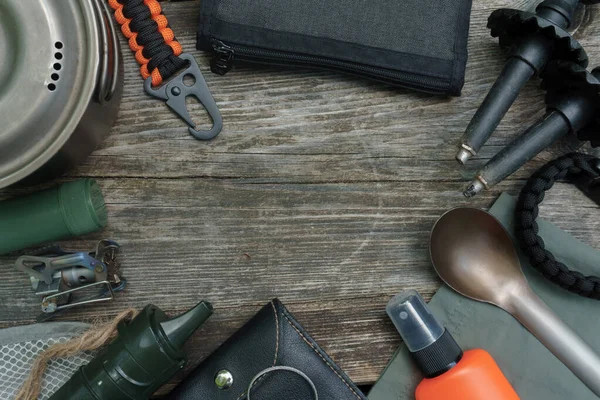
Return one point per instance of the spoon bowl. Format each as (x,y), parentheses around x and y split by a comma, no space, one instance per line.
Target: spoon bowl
(473,253)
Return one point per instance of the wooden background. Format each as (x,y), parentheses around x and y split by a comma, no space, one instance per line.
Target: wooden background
(321,190)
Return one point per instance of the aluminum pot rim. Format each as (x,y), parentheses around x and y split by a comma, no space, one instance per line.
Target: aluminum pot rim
(87,87)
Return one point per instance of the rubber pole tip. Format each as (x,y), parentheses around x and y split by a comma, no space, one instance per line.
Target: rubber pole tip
(474,187)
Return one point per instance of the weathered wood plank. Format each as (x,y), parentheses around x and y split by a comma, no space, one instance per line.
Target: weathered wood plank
(321,190)
(334,252)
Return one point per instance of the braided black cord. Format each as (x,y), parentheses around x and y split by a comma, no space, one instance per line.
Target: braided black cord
(159,53)
(527,211)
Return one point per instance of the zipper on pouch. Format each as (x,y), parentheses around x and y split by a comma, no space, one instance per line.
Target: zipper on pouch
(226,54)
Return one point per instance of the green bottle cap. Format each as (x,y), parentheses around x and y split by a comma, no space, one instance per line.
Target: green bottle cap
(82,206)
(178,330)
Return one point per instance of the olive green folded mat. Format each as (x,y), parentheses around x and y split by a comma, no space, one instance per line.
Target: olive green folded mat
(535,373)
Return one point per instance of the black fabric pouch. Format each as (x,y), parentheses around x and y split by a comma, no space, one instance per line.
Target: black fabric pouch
(278,353)
(416,44)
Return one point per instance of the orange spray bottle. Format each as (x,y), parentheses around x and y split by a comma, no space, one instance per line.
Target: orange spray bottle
(450,373)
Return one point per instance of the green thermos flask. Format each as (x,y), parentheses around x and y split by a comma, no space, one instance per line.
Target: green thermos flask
(68,210)
(145,355)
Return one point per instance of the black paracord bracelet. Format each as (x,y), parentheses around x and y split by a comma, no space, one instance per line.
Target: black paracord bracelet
(566,167)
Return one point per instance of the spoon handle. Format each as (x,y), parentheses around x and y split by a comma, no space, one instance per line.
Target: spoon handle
(559,338)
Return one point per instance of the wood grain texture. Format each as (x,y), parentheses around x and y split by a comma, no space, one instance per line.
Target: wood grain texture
(321,190)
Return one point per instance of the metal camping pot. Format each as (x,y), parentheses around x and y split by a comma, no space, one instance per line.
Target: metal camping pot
(61,80)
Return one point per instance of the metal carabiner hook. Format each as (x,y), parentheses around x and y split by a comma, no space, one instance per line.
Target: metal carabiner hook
(176,91)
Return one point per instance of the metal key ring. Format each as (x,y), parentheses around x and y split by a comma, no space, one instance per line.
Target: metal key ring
(282,368)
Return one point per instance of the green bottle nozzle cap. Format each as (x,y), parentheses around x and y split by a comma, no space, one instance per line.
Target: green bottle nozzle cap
(82,206)
(179,329)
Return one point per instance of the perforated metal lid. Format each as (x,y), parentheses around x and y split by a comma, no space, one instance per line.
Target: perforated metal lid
(49,67)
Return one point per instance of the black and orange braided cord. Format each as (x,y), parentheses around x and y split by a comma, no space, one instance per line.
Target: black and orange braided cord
(150,38)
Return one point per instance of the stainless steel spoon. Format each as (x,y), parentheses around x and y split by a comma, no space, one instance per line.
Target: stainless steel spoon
(472,252)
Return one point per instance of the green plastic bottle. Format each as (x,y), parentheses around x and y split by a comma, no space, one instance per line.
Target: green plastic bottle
(145,355)
(68,210)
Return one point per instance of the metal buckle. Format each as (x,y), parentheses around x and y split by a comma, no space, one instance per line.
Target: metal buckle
(590,185)
(176,91)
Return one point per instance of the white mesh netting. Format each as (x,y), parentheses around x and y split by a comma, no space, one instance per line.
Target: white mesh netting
(16,360)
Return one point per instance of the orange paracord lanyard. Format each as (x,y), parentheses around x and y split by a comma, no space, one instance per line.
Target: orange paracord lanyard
(150,38)
(162,59)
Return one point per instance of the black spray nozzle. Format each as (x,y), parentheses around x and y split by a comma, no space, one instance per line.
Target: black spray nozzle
(533,40)
(431,346)
(573,105)
(413,320)
(146,353)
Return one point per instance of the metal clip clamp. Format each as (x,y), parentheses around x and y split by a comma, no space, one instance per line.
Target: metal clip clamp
(176,91)
(57,275)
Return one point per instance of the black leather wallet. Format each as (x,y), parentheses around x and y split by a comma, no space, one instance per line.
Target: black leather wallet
(274,357)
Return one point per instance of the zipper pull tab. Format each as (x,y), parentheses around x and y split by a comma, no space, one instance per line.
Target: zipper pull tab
(223,61)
